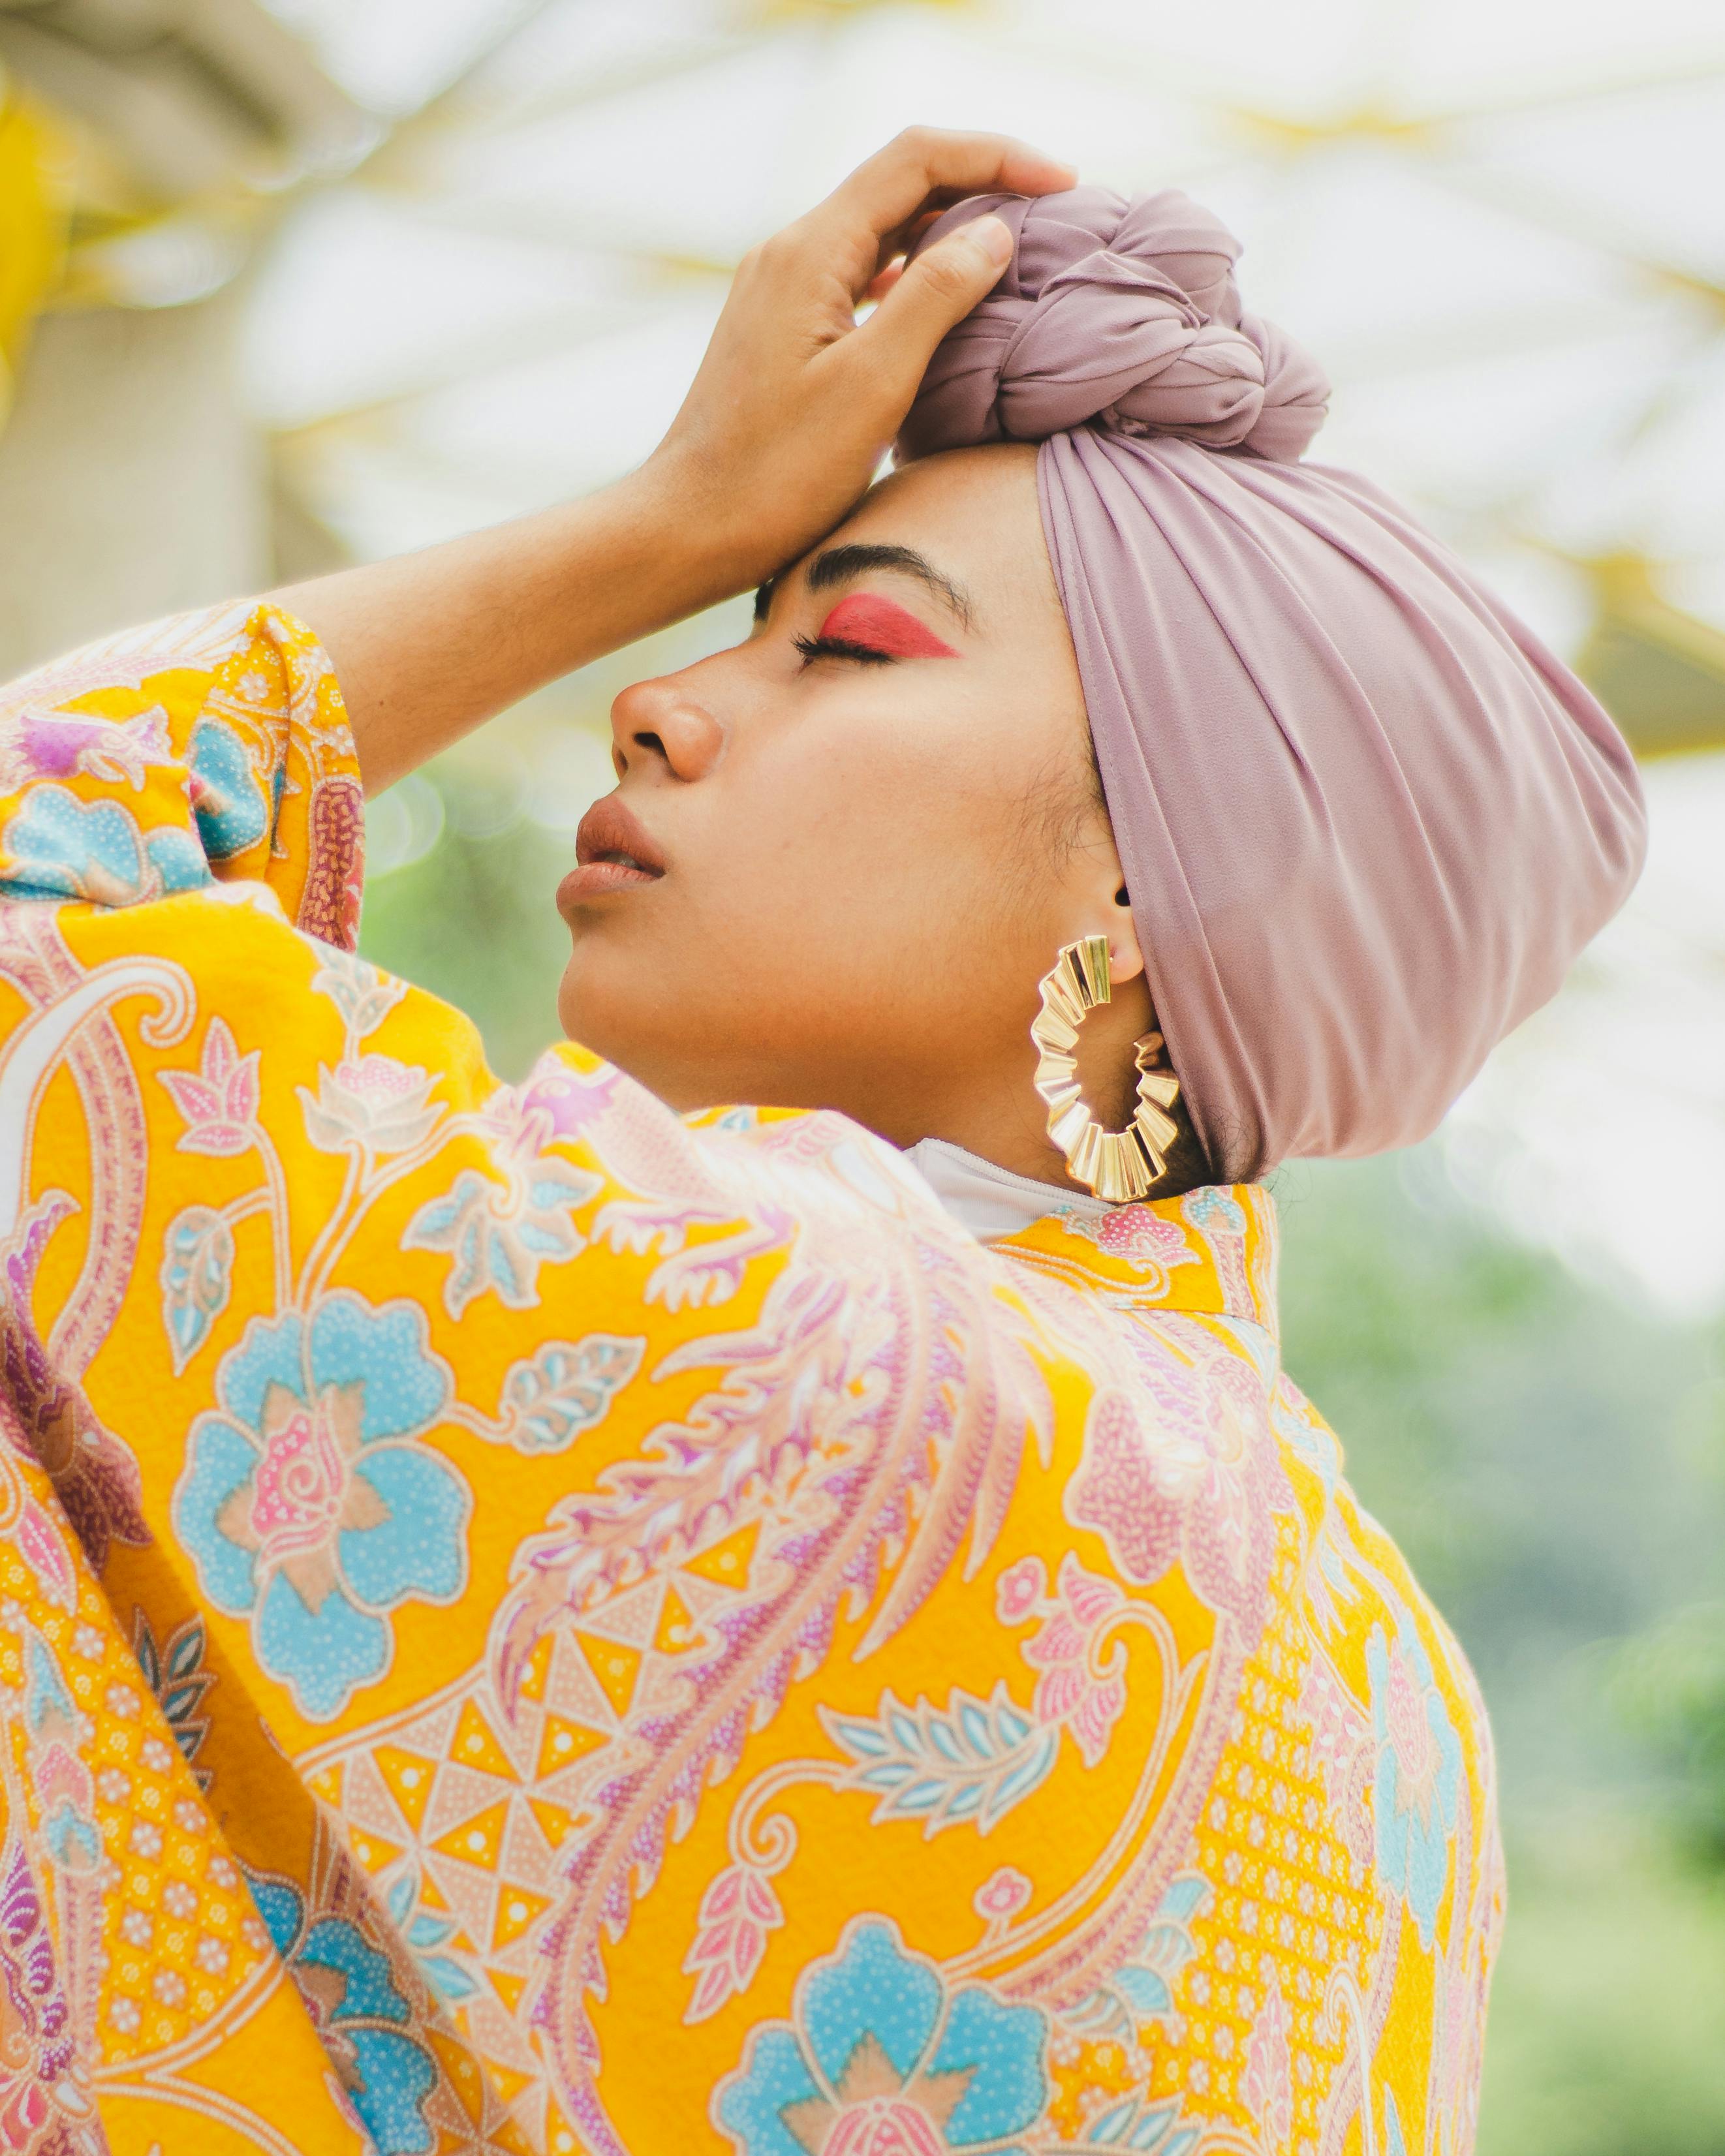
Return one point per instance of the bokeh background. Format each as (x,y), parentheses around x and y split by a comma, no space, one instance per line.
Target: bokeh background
(284,286)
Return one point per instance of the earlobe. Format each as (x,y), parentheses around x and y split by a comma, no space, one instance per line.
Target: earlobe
(1126,960)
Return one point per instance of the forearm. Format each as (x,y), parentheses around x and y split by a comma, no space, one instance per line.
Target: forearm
(428,645)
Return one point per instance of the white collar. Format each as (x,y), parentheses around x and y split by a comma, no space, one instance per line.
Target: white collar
(990,1201)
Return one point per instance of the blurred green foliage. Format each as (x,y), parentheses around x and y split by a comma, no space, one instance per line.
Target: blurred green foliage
(474,921)
(1550,1457)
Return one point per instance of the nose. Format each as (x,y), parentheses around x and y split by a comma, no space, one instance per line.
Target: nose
(663,721)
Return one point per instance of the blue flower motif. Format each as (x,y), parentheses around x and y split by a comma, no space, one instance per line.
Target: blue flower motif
(1211,1208)
(60,847)
(304,1506)
(230,805)
(880,2054)
(350,1995)
(1417,1784)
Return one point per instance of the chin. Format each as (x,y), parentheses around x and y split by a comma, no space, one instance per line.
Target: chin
(629,1029)
(596,1018)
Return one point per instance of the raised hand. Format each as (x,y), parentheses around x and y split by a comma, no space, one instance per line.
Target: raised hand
(796,401)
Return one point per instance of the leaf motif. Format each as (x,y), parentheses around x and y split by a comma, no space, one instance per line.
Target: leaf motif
(186,1649)
(565,1389)
(498,1236)
(738,1909)
(859,1737)
(971,1761)
(1130,2125)
(197,1275)
(447,1976)
(1145,1989)
(1185,1896)
(1142,1989)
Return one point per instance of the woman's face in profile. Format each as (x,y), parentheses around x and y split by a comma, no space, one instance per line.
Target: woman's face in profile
(860,838)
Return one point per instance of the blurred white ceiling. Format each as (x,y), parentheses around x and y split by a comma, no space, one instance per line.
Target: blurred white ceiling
(1503,227)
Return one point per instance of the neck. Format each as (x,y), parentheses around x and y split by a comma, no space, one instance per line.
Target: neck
(998,1114)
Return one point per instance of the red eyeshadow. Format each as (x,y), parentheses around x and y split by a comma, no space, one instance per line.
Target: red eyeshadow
(867,618)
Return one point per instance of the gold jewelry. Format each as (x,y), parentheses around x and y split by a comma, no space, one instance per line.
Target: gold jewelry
(1119,1166)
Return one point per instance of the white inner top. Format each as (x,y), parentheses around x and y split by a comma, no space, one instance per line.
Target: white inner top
(992,1201)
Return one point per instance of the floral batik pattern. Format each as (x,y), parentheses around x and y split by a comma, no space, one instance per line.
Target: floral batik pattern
(305,1506)
(530,1624)
(879,2057)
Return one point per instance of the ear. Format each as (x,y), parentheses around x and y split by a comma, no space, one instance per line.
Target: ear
(1105,909)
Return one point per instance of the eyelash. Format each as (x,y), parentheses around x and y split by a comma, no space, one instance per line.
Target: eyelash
(838,647)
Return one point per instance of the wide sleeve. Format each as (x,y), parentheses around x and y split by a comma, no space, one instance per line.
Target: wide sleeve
(212,746)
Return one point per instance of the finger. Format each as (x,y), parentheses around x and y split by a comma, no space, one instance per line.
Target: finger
(882,282)
(893,186)
(904,237)
(932,293)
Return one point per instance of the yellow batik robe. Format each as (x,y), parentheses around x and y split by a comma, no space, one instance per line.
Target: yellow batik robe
(528,1623)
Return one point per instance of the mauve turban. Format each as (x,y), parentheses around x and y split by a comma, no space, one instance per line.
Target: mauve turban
(1366,820)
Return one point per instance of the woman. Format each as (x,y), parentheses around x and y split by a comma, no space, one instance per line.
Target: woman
(689,1627)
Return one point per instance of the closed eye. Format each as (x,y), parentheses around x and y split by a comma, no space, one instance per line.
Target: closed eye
(839,647)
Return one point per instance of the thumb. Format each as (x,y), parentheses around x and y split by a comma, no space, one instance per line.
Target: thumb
(936,290)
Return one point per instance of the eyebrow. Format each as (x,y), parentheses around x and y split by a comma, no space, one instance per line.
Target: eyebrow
(843,565)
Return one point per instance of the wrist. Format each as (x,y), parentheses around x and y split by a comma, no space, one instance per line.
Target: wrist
(681,519)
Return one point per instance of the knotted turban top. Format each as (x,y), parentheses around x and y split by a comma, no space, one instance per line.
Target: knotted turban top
(1367,820)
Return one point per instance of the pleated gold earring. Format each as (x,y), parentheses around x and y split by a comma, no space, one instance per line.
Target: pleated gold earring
(1119,1166)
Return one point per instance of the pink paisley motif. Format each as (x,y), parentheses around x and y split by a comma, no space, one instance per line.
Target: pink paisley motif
(95,1476)
(39,2053)
(40,1546)
(35,956)
(329,905)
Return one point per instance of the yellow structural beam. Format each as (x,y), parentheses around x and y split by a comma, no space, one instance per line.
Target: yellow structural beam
(35,199)
(1658,670)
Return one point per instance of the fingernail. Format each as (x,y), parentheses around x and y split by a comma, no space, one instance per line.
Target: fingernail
(995,236)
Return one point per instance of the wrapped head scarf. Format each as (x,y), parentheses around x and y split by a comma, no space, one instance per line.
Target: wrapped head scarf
(1366,820)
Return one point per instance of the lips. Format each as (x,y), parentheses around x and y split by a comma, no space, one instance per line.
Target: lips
(614,853)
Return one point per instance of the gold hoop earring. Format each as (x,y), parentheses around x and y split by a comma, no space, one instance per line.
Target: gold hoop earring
(1119,1166)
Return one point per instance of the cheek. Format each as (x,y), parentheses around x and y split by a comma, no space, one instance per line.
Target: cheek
(870,878)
